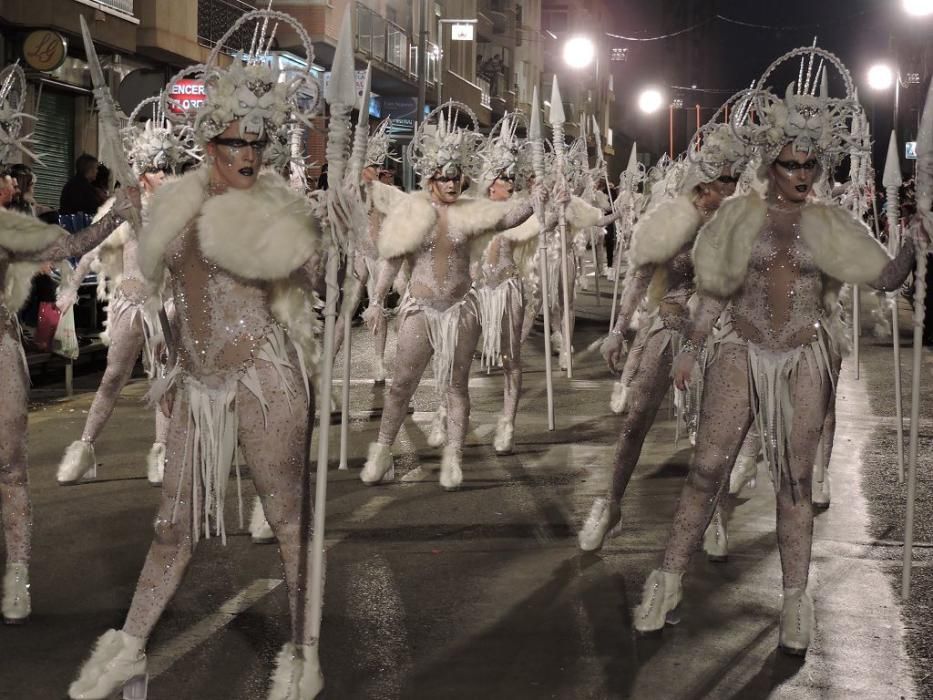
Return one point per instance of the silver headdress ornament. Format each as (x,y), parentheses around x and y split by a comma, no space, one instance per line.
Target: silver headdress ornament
(721,145)
(379,146)
(503,152)
(158,145)
(12,103)
(444,147)
(807,117)
(255,89)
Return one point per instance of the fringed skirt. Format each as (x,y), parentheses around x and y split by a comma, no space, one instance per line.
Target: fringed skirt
(496,303)
(443,330)
(212,446)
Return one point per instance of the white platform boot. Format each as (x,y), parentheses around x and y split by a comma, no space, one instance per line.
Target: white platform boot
(821,495)
(619,398)
(604,516)
(17,604)
(260,531)
(504,440)
(79,463)
(437,436)
(379,465)
(297,674)
(379,371)
(155,464)
(451,473)
(118,661)
(716,539)
(797,622)
(659,601)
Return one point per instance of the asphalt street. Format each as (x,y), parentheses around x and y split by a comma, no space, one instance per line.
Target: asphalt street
(480,593)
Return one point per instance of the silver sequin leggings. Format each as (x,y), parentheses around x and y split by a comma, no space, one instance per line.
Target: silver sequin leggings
(512,321)
(360,279)
(275,449)
(411,358)
(725,417)
(647,388)
(14,479)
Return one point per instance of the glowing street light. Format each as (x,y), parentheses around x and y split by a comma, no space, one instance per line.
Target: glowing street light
(880,76)
(918,8)
(650,100)
(579,52)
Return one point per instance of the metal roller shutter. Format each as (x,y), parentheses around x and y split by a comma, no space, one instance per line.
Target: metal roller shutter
(53,141)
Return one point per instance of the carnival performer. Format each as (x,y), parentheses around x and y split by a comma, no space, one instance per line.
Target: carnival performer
(439,313)
(776,263)
(660,275)
(132,311)
(237,246)
(26,243)
(380,199)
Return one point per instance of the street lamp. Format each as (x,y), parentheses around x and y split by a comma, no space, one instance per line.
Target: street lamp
(579,52)
(650,100)
(918,8)
(880,76)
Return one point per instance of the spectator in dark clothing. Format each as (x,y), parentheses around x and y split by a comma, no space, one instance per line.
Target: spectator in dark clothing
(102,184)
(79,193)
(322,178)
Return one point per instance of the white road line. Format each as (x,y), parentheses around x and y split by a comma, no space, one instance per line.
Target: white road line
(365,512)
(162,658)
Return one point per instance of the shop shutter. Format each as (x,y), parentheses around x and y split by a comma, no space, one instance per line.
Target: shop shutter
(53,141)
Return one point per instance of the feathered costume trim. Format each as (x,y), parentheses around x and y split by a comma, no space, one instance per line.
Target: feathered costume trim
(20,233)
(664,231)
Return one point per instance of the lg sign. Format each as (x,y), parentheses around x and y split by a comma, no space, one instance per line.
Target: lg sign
(186,94)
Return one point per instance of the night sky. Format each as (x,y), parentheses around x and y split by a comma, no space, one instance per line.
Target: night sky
(723,56)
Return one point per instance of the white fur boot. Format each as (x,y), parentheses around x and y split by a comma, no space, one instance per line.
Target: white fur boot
(504,440)
(437,436)
(259,528)
(118,661)
(659,601)
(451,474)
(16,602)
(797,622)
(715,539)
(379,465)
(297,674)
(604,516)
(557,343)
(821,494)
(155,464)
(79,462)
(619,398)
(744,473)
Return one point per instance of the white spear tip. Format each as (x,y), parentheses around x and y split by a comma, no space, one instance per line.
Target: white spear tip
(534,125)
(342,86)
(556,115)
(892,165)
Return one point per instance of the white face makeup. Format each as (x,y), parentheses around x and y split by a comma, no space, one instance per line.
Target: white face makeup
(792,175)
(237,157)
(447,185)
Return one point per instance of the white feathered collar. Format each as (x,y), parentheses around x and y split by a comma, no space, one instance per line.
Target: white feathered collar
(264,233)
(841,245)
(664,231)
(21,233)
(410,222)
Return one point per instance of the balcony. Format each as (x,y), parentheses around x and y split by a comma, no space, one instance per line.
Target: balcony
(122,8)
(215,17)
(384,41)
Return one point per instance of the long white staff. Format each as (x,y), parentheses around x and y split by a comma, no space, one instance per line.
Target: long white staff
(892,181)
(340,96)
(537,160)
(628,194)
(925,216)
(857,205)
(352,184)
(557,119)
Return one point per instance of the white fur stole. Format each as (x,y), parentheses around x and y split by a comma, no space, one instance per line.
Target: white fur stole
(21,233)
(664,231)
(842,246)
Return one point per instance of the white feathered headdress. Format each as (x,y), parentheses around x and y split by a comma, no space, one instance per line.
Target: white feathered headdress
(379,145)
(442,146)
(12,102)
(257,89)
(157,145)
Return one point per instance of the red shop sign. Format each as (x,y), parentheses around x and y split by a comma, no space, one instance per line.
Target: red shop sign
(186,94)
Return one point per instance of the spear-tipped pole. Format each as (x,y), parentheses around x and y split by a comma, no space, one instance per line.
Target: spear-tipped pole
(537,160)
(855,183)
(601,164)
(925,216)
(557,120)
(892,181)
(340,96)
(627,187)
(352,185)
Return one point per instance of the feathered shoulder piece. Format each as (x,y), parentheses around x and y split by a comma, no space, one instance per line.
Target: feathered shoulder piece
(664,230)
(21,233)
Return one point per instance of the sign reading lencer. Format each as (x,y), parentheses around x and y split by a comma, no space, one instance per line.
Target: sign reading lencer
(186,94)
(462,32)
